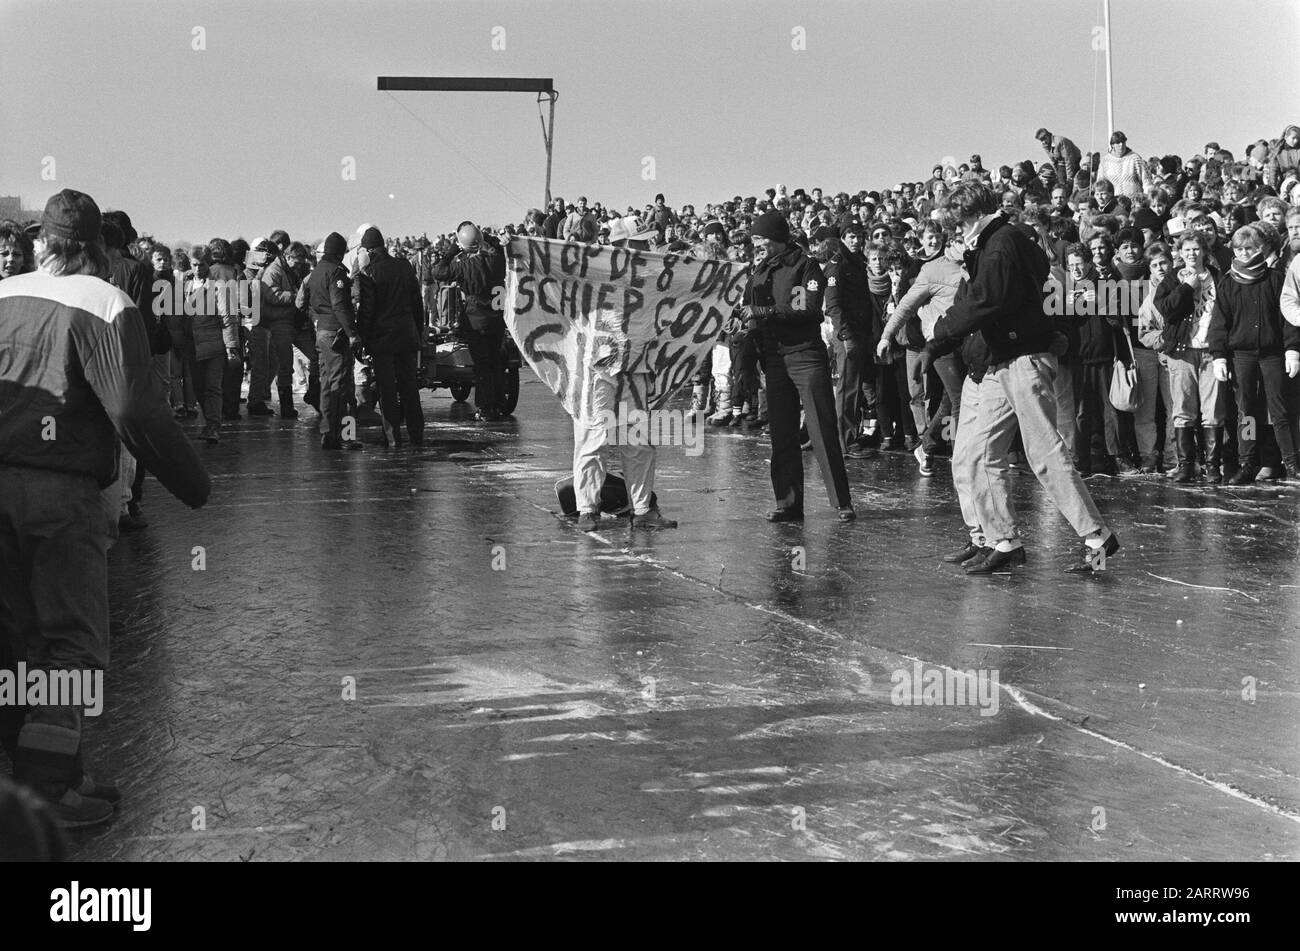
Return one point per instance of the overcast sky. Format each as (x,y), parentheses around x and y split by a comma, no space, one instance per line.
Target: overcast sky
(251,133)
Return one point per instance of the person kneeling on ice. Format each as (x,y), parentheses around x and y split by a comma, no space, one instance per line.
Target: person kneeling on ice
(591,433)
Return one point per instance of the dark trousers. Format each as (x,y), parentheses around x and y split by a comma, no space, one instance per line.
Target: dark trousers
(893,400)
(336,387)
(801,376)
(304,338)
(270,356)
(209,376)
(848,389)
(53,610)
(1262,384)
(233,378)
(744,371)
(489,366)
(1094,416)
(399,394)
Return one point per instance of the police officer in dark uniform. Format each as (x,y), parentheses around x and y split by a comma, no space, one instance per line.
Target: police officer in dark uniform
(477,263)
(784,301)
(326,296)
(391,320)
(848,305)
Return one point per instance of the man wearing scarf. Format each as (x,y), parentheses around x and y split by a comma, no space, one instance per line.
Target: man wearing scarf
(1248,328)
(1003,300)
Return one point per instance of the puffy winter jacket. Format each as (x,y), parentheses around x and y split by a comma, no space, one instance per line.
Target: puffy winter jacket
(75,363)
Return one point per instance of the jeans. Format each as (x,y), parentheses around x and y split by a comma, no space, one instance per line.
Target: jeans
(53,610)
(1262,384)
(1019,396)
(943,427)
(916,390)
(800,376)
(181,382)
(270,354)
(208,376)
(1193,389)
(1153,382)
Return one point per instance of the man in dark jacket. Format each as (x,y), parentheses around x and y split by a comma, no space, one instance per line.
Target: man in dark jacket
(478,265)
(848,305)
(784,300)
(77,377)
(391,319)
(1003,299)
(326,296)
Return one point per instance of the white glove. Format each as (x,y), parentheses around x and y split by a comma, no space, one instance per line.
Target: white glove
(1221,370)
(1292,363)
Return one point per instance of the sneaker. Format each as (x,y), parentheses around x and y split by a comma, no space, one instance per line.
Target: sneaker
(260,409)
(720,418)
(924,460)
(1125,468)
(859,450)
(588,521)
(1089,562)
(846,514)
(652,519)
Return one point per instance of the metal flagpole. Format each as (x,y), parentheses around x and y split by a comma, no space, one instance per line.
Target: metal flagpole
(1110,98)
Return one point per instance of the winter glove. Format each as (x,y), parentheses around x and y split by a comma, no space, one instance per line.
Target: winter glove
(1292,363)
(1221,370)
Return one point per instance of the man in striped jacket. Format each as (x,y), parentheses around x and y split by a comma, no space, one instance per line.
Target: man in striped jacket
(76,377)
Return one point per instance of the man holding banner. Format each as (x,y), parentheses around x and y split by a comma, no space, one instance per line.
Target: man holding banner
(784,301)
(614,331)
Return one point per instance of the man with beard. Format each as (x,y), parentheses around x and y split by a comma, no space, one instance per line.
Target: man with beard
(783,300)
(848,305)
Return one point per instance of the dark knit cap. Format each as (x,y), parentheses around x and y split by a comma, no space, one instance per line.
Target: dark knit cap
(372,239)
(773,226)
(714,227)
(336,245)
(72,214)
(825,233)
